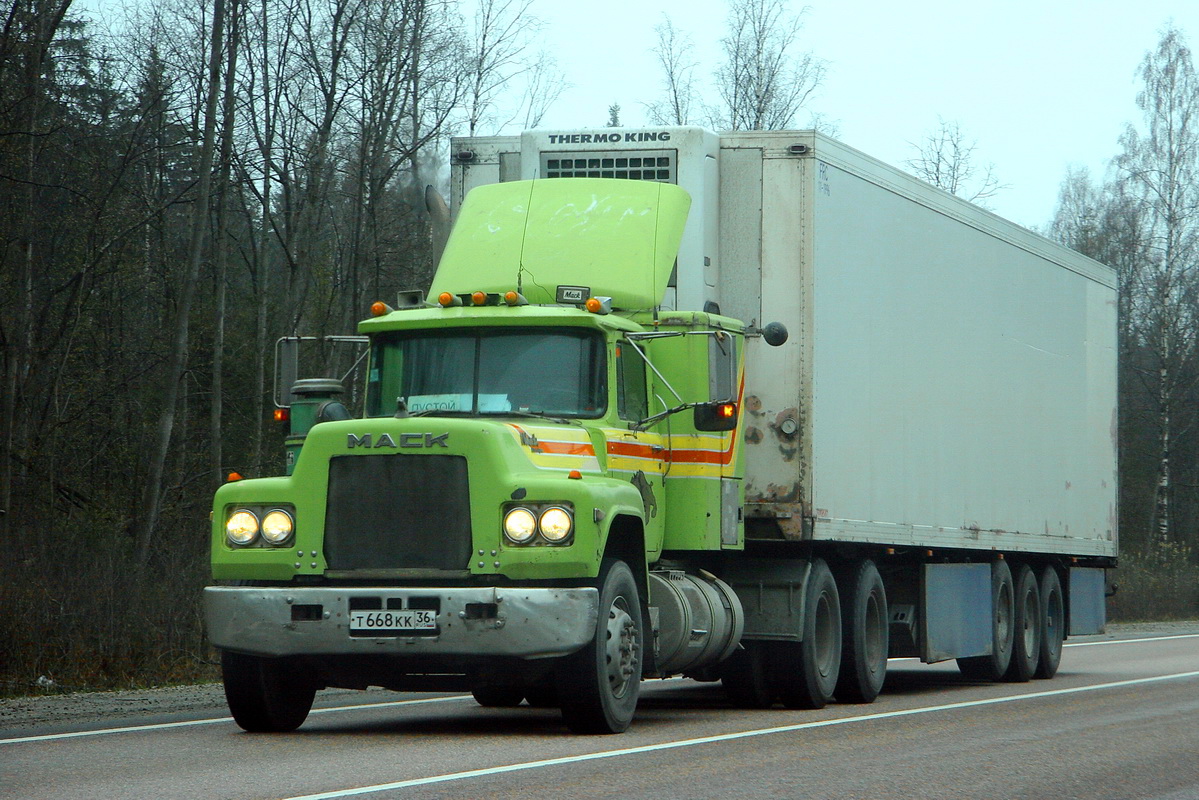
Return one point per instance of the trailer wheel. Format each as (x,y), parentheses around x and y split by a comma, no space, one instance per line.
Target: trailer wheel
(1053,623)
(743,675)
(805,673)
(492,696)
(599,685)
(865,640)
(1026,644)
(265,695)
(992,667)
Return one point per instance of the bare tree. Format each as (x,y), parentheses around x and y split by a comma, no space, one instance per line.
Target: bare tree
(674,53)
(178,357)
(1161,167)
(501,54)
(763,82)
(946,159)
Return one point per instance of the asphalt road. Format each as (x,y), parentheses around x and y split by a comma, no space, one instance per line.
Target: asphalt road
(1121,720)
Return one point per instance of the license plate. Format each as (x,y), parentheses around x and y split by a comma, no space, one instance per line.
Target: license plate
(399,619)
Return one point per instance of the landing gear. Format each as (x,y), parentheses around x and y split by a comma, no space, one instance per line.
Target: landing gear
(266,695)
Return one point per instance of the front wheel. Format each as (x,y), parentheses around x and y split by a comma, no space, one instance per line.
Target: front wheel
(265,695)
(599,685)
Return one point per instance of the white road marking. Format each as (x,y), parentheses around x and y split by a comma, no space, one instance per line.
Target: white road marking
(553,762)
(366,706)
(1134,641)
(188,723)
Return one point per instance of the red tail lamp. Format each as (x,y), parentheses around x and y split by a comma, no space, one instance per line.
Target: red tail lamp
(282,414)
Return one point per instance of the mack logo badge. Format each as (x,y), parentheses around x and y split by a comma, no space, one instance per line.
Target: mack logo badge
(408,440)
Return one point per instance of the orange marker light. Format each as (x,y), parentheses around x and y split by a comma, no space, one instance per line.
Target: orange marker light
(594,305)
(234,476)
(379,308)
(511,297)
(574,474)
(728,410)
(446,299)
(478,298)
(282,414)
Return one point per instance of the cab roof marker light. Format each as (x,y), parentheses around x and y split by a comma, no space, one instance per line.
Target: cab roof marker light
(379,308)
(515,299)
(445,300)
(599,305)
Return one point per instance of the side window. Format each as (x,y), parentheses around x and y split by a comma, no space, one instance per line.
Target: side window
(722,367)
(631,398)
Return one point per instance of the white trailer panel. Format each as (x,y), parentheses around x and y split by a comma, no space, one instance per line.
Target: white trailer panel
(957,373)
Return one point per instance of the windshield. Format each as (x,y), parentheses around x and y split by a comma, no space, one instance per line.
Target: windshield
(556,372)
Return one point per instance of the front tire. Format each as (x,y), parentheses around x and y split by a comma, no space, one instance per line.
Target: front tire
(805,672)
(598,686)
(265,695)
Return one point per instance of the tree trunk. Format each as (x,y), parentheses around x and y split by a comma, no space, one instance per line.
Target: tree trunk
(178,359)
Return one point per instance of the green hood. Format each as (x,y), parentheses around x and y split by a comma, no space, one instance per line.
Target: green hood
(617,237)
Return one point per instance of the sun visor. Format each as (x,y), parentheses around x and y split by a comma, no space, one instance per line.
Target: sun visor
(617,238)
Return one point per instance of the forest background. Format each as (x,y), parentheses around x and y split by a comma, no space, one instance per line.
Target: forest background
(181,189)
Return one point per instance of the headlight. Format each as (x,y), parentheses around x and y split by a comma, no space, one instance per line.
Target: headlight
(277,527)
(520,525)
(241,528)
(556,524)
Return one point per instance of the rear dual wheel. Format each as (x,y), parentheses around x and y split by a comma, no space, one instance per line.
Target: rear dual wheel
(805,673)
(1027,624)
(865,641)
(1053,623)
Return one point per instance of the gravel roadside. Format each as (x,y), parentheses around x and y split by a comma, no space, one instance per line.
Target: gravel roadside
(208,700)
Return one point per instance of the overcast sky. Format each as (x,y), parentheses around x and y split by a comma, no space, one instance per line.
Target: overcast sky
(1040,84)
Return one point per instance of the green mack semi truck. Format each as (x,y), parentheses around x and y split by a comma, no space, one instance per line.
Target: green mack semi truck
(751,408)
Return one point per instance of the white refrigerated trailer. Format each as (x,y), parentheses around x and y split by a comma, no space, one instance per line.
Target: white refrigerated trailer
(944,410)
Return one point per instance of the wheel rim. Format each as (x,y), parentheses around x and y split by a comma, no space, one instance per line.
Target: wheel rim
(1032,619)
(1004,632)
(1053,628)
(620,650)
(825,635)
(872,633)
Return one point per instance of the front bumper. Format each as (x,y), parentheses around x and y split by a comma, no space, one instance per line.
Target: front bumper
(291,621)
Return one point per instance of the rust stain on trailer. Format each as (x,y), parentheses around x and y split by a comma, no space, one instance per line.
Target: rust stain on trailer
(753,435)
(753,404)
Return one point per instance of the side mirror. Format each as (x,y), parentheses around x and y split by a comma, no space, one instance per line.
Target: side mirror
(715,416)
(775,334)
